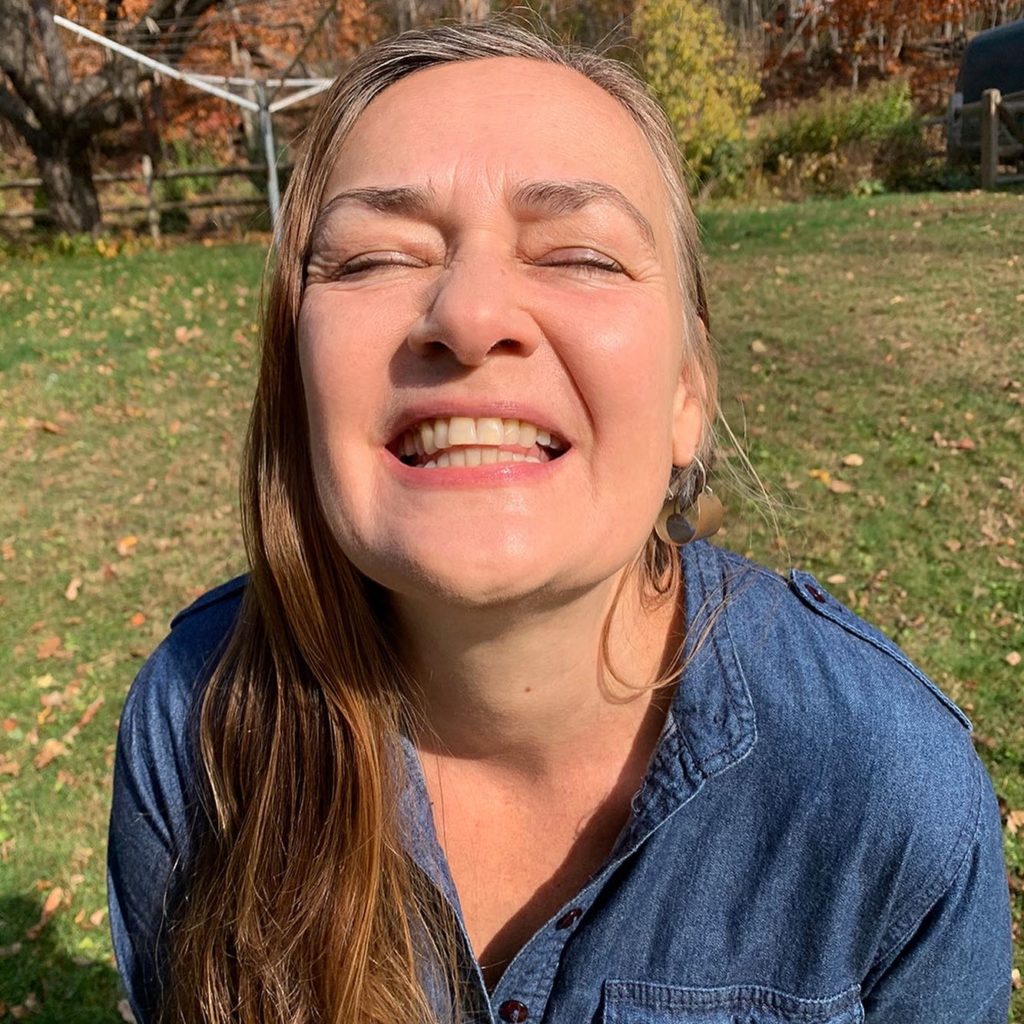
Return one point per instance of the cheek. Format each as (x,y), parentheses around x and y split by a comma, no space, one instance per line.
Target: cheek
(625,362)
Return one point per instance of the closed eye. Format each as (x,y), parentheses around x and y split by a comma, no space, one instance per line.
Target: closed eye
(377,261)
(583,259)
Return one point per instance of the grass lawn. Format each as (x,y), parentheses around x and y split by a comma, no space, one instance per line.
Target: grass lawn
(872,359)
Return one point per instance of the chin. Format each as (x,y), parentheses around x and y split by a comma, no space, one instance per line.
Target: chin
(464,574)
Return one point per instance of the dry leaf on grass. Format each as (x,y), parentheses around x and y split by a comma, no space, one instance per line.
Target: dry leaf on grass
(126,545)
(1014,821)
(87,716)
(840,487)
(125,1011)
(48,648)
(47,752)
(1013,659)
(72,589)
(853,459)
(50,906)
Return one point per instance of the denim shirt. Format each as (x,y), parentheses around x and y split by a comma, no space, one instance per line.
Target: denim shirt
(815,840)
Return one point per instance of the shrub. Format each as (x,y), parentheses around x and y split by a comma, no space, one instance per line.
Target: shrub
(842,143)
(707,87)
(834,121)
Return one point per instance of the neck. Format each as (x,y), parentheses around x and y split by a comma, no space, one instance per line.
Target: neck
(519,689)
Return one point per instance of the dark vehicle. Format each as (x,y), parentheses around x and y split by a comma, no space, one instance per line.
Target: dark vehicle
(992,60)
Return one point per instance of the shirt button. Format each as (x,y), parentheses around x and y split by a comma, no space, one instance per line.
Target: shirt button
(816,593)
(513,1011)
(568,919)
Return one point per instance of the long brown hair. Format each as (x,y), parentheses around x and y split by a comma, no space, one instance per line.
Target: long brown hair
(299,903)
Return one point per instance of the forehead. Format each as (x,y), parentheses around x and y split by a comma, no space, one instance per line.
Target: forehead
(504,119)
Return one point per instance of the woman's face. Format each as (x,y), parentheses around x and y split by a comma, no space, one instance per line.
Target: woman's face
(491,337)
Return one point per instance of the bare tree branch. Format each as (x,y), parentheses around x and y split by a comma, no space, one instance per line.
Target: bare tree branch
(20,62)
(53,53)
(15,110)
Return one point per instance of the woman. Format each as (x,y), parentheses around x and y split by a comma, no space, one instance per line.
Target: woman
(489,732)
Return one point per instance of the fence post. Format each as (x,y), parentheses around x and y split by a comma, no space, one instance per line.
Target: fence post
(990,100)
(152,213)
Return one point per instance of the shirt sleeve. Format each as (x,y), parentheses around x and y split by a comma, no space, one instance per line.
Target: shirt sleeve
(953,965)
(147,824)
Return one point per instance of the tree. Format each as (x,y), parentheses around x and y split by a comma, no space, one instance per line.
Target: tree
(57,112)
(705,85)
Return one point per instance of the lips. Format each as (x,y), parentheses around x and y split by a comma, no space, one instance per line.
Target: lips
(440,442)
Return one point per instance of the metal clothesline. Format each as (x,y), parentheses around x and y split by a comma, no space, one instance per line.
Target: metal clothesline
(307,88)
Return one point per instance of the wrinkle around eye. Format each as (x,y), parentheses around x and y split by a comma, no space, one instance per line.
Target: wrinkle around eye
(362,265)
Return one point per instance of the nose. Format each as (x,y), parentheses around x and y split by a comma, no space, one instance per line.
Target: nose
(477,309)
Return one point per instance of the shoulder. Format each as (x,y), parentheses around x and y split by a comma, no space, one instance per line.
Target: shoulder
(801,646)
(854,734)
(165,687)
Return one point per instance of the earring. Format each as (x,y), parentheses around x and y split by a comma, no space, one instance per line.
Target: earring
(705,510)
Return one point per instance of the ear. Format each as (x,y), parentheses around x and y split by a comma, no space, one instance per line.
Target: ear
(687,422)
(687,414)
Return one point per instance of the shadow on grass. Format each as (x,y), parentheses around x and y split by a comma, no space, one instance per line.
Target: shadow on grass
(53,986)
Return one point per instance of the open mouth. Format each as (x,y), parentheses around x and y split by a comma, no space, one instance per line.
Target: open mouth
(465,441)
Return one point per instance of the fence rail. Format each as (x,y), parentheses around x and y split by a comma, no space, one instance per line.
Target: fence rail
(1002,133)
(147,177)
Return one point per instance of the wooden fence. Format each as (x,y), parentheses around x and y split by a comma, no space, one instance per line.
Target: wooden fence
(1002,134)
(153,206)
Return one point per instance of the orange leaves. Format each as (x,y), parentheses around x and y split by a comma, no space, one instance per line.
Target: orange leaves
(48,648)
(126,545)
(963,444)
(52,902)
(50,750)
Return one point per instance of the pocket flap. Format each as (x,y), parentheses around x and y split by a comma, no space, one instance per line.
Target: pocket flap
(642,1002)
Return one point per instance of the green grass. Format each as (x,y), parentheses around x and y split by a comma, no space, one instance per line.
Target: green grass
(888,328)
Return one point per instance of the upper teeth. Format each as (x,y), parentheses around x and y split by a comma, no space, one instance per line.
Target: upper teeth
(432,436)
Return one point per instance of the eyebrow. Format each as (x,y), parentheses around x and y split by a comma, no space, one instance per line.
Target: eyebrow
(552,198)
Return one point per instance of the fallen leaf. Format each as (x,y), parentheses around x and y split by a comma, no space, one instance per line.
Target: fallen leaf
(758,347)
(45,682)
(953,545)
(1014,820)
(72,589)
(1007,482)
(840,487)
(9,724)
(821,474)
(123,1007)
(1015,978)
(181,335)
(8,766)
(96,917)
(1013,659)
(47,752)
(853,459)
(49,909)
(836,578)
(48,648)
(137,620)
(126,545)
(87,716)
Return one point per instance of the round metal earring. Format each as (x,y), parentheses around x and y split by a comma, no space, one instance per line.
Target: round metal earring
(701,518)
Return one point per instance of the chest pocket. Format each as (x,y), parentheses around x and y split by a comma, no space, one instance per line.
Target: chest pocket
(641,1002)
